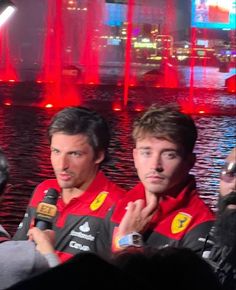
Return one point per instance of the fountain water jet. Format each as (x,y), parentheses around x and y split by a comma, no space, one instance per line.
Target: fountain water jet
(7,71)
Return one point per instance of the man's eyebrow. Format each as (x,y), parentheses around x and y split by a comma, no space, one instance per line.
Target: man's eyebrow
(144,147)
(162,151)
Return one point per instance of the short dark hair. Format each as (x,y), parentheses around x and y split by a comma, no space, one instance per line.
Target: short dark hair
(4,171)
(167,122)
(81,120)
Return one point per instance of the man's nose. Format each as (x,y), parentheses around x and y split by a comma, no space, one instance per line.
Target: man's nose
(63,163)
(157,164)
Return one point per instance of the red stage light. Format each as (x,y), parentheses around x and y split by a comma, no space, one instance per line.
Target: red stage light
(49,106)
(201,112)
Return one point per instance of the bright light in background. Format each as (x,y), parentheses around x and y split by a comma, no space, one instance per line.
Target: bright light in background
(8,104)
(138,108)
(116,107)
(49,106)
(201,112)
(7,8)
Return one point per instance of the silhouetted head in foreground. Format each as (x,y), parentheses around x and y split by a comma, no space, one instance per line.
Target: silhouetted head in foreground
(168,268)
(226,221)
(4,171)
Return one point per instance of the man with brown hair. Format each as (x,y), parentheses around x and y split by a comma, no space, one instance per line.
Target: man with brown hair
(164,209)
(79,141)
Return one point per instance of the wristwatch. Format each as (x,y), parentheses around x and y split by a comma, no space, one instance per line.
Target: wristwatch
(133,239)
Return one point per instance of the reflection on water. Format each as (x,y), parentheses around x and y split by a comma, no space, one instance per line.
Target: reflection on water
(23,137)
(205,77)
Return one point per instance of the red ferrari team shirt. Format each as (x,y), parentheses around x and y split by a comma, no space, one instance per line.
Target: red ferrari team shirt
(77,224)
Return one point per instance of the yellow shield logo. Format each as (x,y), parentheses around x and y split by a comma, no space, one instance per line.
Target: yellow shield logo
(180,222)
(99,200)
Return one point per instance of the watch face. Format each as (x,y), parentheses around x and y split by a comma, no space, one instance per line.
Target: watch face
(133,239)
(136,239)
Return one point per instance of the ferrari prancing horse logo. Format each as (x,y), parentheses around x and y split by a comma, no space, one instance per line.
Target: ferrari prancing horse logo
(99,200)
(180,222)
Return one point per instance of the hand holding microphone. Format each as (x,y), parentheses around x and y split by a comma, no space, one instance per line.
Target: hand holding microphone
(44,243)
(46,210)
(44,240)
(42,234)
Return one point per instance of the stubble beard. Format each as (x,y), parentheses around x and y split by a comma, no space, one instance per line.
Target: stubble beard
(226,221)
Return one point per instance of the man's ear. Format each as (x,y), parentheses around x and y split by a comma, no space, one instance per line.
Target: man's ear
(100,157)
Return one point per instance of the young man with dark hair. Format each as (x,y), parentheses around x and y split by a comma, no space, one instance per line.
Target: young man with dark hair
(164,209)
(79,140)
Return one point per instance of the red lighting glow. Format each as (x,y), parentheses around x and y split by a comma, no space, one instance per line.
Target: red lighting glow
(8,73)
(59,91)
(128,49)
(201,112)
(191,108)
(230,84)
(90,54)
(8,103)
(117,107)
(139,108)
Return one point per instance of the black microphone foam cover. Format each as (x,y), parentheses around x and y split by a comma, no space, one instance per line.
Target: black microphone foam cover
(47,210)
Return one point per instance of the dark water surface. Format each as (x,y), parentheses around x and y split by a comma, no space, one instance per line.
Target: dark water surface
(23,138)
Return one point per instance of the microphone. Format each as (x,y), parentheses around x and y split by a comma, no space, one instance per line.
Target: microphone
(46,210)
